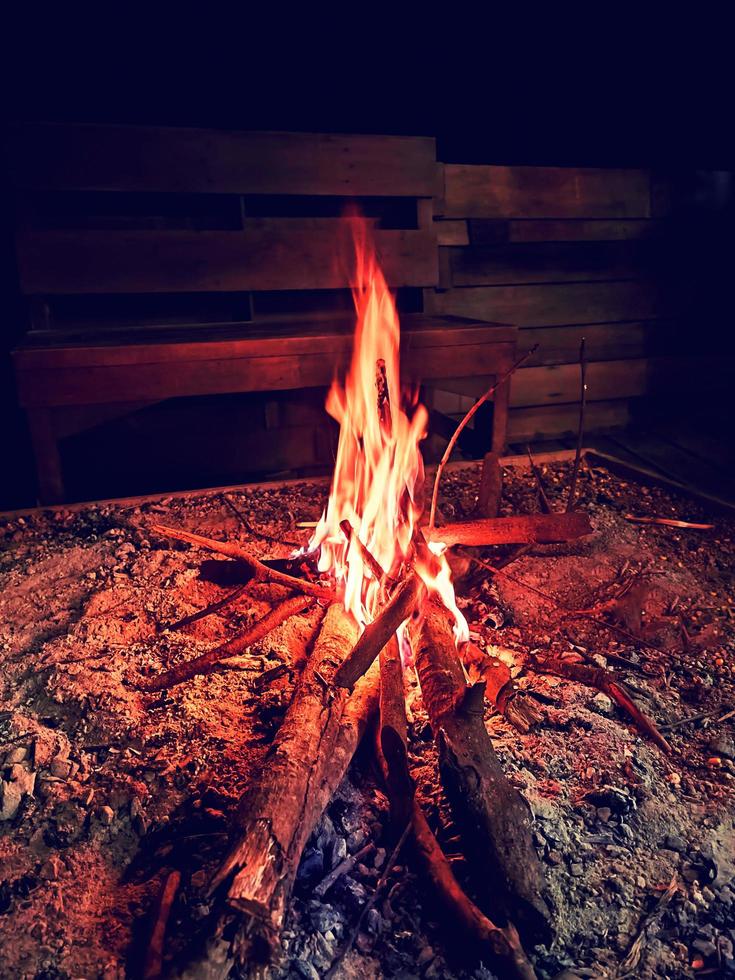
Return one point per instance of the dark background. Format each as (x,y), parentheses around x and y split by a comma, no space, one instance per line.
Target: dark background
(610,92)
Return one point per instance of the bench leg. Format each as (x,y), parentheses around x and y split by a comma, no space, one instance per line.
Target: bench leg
(46,452)
(500,417)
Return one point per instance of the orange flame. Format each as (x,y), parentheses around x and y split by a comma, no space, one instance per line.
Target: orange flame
(378,478)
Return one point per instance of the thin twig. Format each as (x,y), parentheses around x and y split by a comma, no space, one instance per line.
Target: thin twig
(153,965)
(373,564)
(569,613)
(668,522)
(632,959)
(692,718)
(234,550)
(580,431)
(231,648)
(544,504)
(207,611)
(247,526)
(457,432)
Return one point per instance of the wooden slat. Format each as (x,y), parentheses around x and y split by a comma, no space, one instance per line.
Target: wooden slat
(452,232)
(544,192)
(243,340)
(604,341)
(555,421)
(548,304)
(486,231)
(552,262)
(209,261)
(143,158)
(151,381)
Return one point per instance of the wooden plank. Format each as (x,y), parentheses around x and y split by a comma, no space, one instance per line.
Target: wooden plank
(549,305)
(555,421)
(560,383)
(147,158)
(97,383)
(544,192)
(604,341)
(548,262)
(209,261)
(452,232)
(486,231)
(240,340)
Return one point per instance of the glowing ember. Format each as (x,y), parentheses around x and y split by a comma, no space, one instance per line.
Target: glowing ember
(378,479)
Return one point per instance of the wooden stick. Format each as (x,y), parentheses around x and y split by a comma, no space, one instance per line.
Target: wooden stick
(502,691)
(207,611)
(494,819)
(520,529)
(279,809)
(606,682)
(580,429)
(453,441)
(344,867)
(231,648)
(233,550)
(392,750)
(153,965)
(668,522)
(373,564)
(375,636)
(544,505)
(491,486)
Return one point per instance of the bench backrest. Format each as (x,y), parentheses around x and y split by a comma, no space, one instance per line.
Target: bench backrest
(134,225)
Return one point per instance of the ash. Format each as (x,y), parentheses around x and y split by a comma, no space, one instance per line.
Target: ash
(104,789)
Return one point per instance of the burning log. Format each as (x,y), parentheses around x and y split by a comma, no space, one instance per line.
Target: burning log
(396,611)
(522,529)
(502,691)
(276,815)
(493,817)
(261,572)
(504,944)
(231,648)
(606,682)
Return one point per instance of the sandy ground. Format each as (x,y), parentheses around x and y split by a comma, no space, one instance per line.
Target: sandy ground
(105,789)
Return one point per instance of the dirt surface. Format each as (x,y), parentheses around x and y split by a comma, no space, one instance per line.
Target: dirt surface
(105,789)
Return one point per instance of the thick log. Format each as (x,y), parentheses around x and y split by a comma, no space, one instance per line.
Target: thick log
(521,529)
(396,611)
(276,815)
(503,944)
(231,648)
(263,573)
(493,817)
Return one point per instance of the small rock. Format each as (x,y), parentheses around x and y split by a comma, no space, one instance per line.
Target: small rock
(604,813)
(722,745)
(106,815)
(355,840)
(577,870)
(554,857)
(379,858)
(305,969)
(674,843)
(61,768)
(602,703)
(339,851)
(15,755)
(20,782)
(373,921)
(705,947)
(51,869)
(312,865)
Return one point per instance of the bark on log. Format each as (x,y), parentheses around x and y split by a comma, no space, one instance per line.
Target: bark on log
(491,486)
(231,648)
(503,944)
(493,817)
(275,816)
(375,636)
(263,573)
(501,690)
(521,529)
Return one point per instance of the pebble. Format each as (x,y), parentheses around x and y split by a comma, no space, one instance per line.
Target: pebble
(379,858)
(51,869)
(604,813)
(674,843)
(705,947)
(339,851)
(305,969)
(106,815)
(577,870)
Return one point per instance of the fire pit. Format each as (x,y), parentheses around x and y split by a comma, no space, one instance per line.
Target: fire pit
(180,729)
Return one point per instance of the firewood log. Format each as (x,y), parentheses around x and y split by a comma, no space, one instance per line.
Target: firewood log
(493,817)
(278,812)
(520,529)
(502,944)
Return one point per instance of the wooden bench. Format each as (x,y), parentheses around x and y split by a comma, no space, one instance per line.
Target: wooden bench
(161,263)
